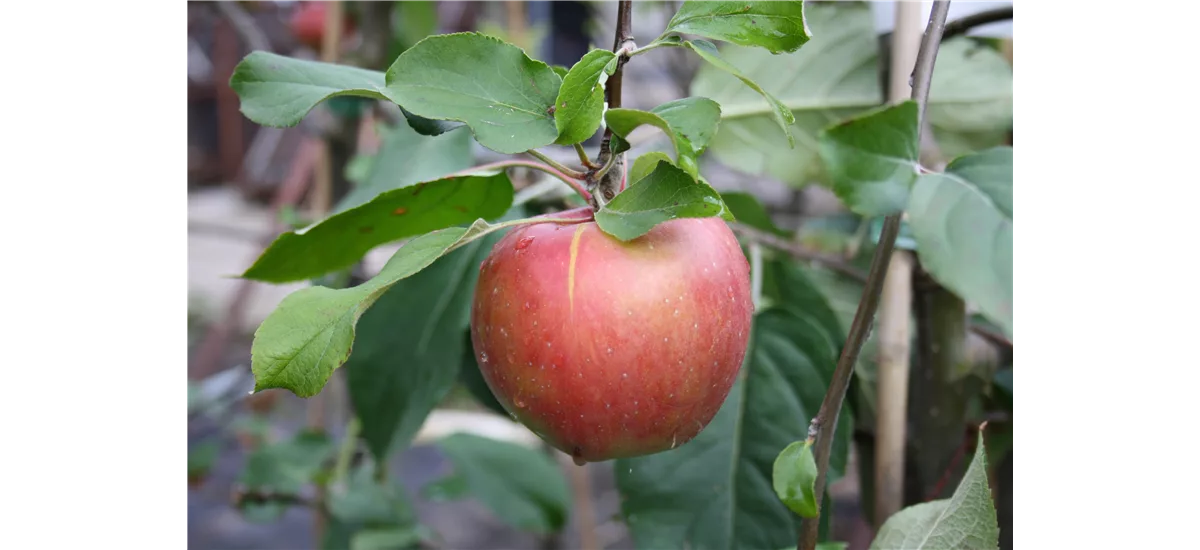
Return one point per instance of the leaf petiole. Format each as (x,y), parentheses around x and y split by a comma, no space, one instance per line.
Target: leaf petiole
(566,178)
(659,43)
(583,157)
(599,175)
(556,165)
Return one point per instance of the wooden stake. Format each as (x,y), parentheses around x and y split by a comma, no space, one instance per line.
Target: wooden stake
(895,307)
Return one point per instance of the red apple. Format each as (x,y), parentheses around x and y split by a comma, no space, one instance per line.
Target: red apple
(610,349)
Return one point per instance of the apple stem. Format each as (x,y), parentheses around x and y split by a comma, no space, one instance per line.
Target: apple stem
(825,421)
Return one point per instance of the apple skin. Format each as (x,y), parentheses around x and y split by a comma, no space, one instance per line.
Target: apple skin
(608,349)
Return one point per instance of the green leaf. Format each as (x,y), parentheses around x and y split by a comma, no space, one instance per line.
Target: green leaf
(965,520)
(791,286)
(835,76)
(872,159)
(385,539)
(746,208)
(202,457)
(409,345)
(823,546)
(794,478)
(311,332)
(619,145)
(471,378)
(342,239)
(962,221)
(429,127)
(971,98)
(406,157)
(715,491)
(668,193)
(366,513)
(580,100)
(447,489)
(491,85)
(283,468)
(611,67)
(683,121)
(522,486)
(560,70)
(696,118)
(279,91)
(364,500)
(781,114)
(775,26)
(646,164)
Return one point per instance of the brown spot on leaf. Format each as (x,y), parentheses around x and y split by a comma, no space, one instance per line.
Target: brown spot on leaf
(460,208)
(400,211)
(366,229)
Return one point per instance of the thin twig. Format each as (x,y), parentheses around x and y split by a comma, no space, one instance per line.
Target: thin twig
(825,421)
(243,496)
(922,75)
(606,187)
(797,251)
(992,336)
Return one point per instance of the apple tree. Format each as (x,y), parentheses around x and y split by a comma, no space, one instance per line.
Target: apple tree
(626,321)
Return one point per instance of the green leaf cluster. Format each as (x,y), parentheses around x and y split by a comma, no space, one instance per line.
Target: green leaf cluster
(961,220)
(418,186)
